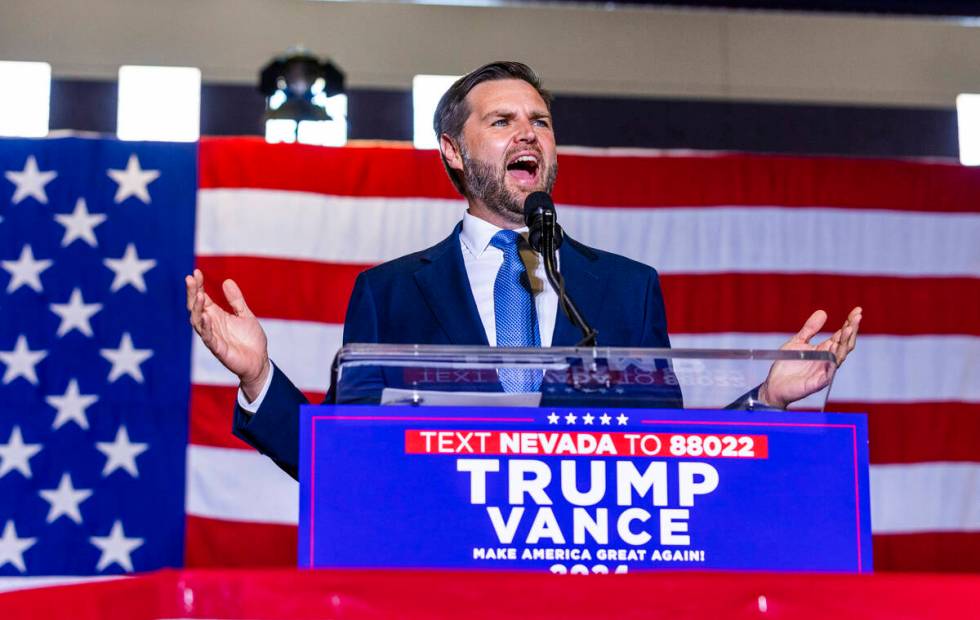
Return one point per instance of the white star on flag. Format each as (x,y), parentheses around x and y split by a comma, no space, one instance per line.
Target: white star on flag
(570,418)
(12,548)
(65,500)
(121,453)
(21,361)
(133,181)
(553,418)
(621,419)
(116,548)
(129,269)
(605,418)
(126,360)
(71,406)
(25,270)
(15,454)
(75,314)
(79,225)
(588,418)
(30,182)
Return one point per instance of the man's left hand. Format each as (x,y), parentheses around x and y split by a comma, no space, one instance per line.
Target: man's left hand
(789,381)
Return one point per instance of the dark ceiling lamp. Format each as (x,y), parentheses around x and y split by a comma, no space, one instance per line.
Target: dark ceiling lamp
(293,83)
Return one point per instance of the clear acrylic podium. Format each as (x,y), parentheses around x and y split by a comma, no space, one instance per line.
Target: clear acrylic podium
(425,461)
(421,375)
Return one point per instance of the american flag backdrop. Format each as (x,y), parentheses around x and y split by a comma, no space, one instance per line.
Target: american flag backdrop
(94,237)
(747,247)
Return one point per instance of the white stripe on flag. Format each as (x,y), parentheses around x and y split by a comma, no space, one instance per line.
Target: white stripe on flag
(781,240)
(9,584)
(922,497)
(925,497)
(336,229)
(885,369)
(225,483)
(236,222)
(890,369)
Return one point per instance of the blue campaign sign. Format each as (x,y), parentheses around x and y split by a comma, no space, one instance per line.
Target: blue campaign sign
(583,491)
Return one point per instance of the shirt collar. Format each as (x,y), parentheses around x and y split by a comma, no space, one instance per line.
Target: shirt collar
(477,233)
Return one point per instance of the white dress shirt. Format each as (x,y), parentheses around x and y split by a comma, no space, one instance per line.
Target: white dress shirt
(482,262)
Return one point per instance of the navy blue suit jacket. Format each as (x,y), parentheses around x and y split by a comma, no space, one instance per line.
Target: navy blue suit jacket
(425,298)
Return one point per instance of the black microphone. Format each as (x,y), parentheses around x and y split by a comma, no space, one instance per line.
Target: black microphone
(545,237)
(541,220)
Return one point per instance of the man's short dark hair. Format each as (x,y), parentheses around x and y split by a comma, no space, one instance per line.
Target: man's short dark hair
(452,111)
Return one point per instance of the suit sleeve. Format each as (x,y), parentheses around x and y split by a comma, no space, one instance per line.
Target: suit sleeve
(273,430)
(655,335)
(654,330)
(361,321)
(669,395)
(361,385)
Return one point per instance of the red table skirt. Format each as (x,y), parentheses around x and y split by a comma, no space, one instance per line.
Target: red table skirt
(301,594)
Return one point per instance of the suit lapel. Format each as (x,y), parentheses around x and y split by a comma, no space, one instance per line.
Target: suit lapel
(446,289)
(586,289)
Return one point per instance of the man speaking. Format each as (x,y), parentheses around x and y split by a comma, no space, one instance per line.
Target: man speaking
(482,285)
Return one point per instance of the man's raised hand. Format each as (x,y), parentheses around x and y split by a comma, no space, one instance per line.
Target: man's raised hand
(789,381)
(237,340)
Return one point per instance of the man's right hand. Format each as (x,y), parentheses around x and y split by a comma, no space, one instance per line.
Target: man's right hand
(237,340)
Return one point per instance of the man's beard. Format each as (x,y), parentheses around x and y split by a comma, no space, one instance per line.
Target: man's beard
(486,182)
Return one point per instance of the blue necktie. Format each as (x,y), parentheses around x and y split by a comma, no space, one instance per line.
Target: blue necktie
(513,310)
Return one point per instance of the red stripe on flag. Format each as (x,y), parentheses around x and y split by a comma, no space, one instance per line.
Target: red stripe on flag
(768,302)
(766,180)
(212,407)
(636,181)
(210,417)
(214,542)
(934,552)
(701,303)
(919,432)
(349,171)
(285,289)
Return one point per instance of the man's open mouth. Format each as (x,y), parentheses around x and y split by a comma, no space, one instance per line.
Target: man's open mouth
(523,168)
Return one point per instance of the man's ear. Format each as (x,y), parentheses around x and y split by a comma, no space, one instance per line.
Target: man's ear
(454,159)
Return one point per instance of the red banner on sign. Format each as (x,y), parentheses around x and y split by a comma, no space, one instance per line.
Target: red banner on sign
(548,443)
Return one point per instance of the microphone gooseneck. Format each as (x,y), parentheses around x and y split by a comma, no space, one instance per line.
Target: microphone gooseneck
(545,237)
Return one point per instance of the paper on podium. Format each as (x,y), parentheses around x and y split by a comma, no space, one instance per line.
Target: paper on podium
(433,398)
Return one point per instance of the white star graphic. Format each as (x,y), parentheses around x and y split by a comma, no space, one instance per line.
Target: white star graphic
(133,181)
(621,419)
(588,418)
(25,270)
(129,269)
(21,361)
(15,454)
(79,225)
(126,360)
(570,418)
(604,418)
(30,182)
(71,406)
(65,500)
(121,453)
(116,548)
(553,418)
(12,548)
(75,314)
